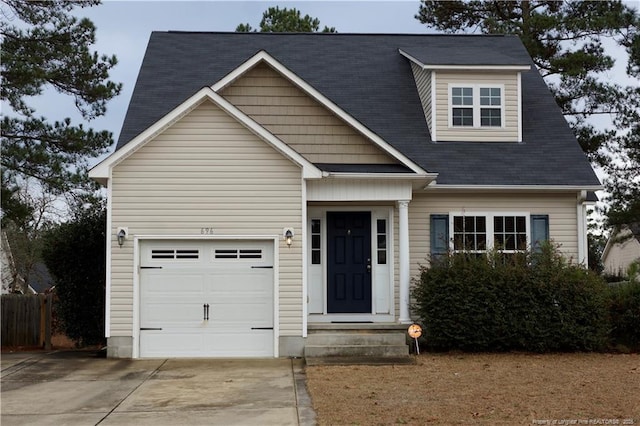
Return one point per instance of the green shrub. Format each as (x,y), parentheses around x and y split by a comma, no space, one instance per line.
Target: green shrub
(75,254)
(624,311)
(534,302)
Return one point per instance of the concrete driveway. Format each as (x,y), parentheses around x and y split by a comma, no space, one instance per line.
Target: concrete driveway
(80,388)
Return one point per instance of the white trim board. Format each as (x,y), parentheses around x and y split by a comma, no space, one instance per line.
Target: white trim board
(462,67)
(358,190)
(434,186)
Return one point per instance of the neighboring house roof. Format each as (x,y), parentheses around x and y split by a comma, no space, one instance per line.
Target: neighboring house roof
(366,76)
(40,279)
(592,197)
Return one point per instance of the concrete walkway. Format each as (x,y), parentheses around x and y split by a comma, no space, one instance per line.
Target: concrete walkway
(79,388)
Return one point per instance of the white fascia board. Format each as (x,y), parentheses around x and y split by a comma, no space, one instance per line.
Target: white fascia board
(323,100)
(101,171)
(513,188)
(608,245)
(463,67)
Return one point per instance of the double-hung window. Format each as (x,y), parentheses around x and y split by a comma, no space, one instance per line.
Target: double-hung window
(476,106)
(477,233)
(462,106)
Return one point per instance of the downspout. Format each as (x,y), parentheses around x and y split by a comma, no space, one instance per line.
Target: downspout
(581,212)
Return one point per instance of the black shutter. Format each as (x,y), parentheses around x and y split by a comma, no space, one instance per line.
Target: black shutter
(539,231)
(439,235)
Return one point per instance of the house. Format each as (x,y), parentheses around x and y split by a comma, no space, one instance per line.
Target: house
(36,280)
(12,281)
(621,250)
(266,188)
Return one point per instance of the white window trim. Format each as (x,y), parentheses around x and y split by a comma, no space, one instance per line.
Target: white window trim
(475,106)
(490,230)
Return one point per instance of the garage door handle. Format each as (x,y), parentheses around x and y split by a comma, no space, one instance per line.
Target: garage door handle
(262,267)
(205,307)
(262,328)
(149,328)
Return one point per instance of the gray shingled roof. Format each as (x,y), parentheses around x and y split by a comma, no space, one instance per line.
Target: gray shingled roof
(367,77)
(447,50)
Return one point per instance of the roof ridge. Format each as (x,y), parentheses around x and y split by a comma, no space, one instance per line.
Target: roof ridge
(322,34)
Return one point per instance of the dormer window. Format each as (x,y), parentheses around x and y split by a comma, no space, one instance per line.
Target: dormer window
(462,101)
(476,106)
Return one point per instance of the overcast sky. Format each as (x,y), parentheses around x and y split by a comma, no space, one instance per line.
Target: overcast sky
(124,27)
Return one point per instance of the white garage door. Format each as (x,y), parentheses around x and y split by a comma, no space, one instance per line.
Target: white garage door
(206,299)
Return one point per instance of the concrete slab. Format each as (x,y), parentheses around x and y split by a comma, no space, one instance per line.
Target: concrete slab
(80,388)
(64,397)
(230,416)
(12,361)
(210,384)
(74,419)
(64,367)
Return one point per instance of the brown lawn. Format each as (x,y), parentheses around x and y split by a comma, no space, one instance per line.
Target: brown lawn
(492,389)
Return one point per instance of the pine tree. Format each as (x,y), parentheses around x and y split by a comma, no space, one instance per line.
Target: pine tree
(44,45)
(276,20)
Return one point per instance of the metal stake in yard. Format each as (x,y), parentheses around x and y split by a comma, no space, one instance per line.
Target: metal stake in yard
(415,331)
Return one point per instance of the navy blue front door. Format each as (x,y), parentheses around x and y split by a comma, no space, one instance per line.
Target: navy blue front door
(349,262)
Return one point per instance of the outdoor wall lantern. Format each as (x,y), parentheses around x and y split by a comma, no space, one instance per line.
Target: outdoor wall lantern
(122,235)
(288,236)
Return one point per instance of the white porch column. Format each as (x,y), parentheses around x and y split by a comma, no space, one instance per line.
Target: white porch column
(403,260)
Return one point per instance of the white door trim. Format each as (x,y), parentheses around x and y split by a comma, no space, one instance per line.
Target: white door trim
(320,212)
(139,239)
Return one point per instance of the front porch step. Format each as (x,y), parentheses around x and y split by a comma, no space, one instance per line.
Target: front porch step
(357,360)
(364,339)
(356,344)
(357,350)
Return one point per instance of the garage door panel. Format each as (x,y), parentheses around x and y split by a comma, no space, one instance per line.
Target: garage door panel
(161,314)
(227,343)
(248,313)
(251,278)
(237,286)
(177,343)
(167,281)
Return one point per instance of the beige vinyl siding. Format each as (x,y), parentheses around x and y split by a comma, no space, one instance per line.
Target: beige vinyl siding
(206,171)
(561,209)
(507,133)
(622,254)
(300,121)
(423,84)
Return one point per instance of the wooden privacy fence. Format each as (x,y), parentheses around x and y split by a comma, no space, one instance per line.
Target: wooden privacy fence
(26,320)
